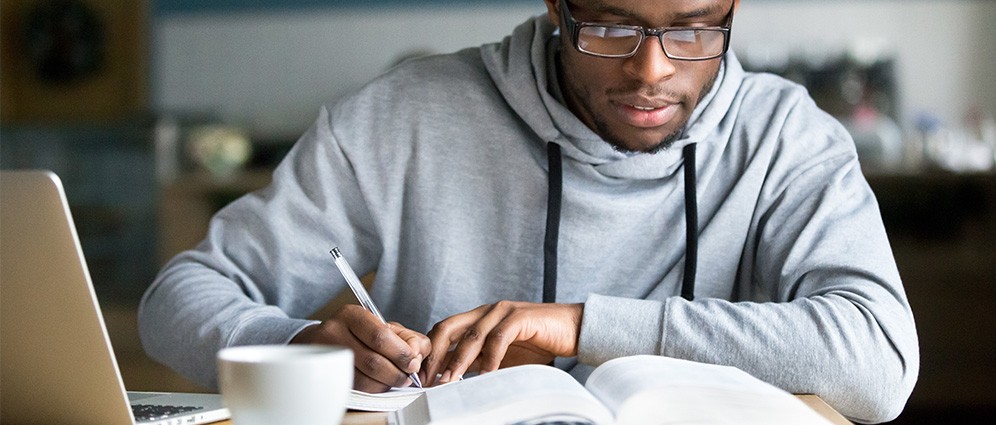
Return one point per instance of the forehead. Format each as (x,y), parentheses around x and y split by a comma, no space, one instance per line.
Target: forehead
(654,10)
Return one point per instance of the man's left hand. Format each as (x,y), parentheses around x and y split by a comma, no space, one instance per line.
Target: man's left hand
(501,334)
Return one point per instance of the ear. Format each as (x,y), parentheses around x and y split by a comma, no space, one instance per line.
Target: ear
(551,11)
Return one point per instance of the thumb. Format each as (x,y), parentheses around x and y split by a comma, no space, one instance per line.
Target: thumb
(420,345)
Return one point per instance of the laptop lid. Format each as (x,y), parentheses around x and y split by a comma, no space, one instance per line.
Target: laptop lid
(56,360)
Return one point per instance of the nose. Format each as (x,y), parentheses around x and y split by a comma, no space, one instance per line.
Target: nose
(650,65)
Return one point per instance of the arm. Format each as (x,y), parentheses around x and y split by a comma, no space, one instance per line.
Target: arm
(828,316)
(264,267)
(839,325)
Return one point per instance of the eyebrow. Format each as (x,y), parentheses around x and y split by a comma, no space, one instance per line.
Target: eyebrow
(601,7)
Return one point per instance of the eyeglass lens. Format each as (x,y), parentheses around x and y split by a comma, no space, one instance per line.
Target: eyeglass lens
(615,41)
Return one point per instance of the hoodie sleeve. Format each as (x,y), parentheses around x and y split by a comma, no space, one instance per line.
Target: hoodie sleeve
(834,320)
(264,264)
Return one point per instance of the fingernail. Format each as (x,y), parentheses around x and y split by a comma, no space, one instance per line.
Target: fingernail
(445,378)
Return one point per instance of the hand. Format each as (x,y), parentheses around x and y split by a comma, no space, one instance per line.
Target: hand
(383,355)
(502,334)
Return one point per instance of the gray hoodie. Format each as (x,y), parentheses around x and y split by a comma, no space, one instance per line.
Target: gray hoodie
(434,175)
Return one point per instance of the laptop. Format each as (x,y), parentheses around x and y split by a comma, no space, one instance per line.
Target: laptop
(56,359)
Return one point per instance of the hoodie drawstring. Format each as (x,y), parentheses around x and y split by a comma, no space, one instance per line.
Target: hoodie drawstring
(555,178)
(554,194)
(691,224)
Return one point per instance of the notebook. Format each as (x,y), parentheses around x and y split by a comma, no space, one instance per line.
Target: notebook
(56,359)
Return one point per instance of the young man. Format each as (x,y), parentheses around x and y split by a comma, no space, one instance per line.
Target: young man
(620,187)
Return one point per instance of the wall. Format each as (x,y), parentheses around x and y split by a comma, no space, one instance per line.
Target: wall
(945,50)
(270,69)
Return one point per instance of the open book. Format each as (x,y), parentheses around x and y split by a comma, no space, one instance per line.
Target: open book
(629,390)
(388,401)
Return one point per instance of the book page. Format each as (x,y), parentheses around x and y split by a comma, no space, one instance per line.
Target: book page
(662,390)
(509,396)
(388,401)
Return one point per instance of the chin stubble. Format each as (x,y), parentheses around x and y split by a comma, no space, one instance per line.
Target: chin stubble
(602,128)
(666,142)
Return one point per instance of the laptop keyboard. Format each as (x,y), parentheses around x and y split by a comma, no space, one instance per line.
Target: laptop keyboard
(149,412)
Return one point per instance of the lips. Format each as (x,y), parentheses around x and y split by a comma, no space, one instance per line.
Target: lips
(645,113)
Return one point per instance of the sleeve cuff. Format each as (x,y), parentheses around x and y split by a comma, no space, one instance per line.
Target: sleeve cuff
(268,330)
(614,327)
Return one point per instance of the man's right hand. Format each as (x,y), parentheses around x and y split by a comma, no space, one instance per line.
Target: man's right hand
(383,355)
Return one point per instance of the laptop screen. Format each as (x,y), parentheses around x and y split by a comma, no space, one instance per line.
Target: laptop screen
(56,360)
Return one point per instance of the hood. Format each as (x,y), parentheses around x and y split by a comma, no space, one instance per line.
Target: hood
(519,67)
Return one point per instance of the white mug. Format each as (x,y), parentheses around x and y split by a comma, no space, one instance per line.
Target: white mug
(285,384)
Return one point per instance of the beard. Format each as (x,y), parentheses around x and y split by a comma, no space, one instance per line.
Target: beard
(603,129)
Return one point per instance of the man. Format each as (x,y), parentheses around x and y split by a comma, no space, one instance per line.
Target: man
(620,187)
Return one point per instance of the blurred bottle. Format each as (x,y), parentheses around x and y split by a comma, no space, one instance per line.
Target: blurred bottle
(963,149)
(877,137)
(166,142)
(982,128)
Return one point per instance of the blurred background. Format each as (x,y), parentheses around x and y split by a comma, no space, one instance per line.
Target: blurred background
(156,113)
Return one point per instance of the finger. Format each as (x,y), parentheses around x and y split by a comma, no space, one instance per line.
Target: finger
(363,382)
(497,343)
(377,367)
(336,331)
(385,354)
(469,346)
(474,366)
(443,336)
(419,344)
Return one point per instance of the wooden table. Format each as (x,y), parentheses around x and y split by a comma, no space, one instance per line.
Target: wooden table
(816,403)
(377,418)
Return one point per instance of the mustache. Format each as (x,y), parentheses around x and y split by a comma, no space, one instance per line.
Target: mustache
(643,90)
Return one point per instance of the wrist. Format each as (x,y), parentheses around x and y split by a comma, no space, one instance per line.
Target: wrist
(305,335)
(577,314)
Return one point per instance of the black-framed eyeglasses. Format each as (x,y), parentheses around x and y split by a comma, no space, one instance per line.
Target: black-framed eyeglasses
(623,41)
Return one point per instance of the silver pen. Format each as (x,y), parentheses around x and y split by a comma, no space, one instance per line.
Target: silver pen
(362,295)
